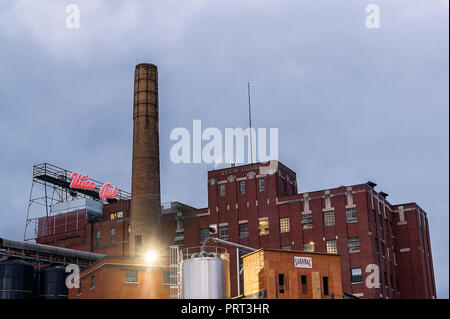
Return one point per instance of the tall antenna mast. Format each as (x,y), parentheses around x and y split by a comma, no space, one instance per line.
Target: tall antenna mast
(250,123)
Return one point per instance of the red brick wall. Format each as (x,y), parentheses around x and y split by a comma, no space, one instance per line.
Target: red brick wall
(413,269)
(110,281)
(368,229)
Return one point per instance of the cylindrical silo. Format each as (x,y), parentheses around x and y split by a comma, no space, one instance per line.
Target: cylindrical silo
(52,283)
(16,279)
(205,277)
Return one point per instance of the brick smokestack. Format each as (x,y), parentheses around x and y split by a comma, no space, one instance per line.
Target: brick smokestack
(145,185)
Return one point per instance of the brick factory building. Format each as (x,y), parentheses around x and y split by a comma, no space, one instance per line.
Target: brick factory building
(289,274)
(256,205)
(356,222)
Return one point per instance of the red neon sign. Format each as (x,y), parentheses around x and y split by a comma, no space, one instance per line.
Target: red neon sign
(80,181)
(83,182)
(107,192)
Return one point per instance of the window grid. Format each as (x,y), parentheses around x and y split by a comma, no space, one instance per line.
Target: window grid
(131,276)
(351,215)
(242,187)
(263,227)
(331,246)
(353,244)
(112,234)
(223,232)
(222,190)
(97,238)
(307,221)
(328,218)
(285,225)
(261,184)
(204,233)
(356,275)
(243,230)
(308,247)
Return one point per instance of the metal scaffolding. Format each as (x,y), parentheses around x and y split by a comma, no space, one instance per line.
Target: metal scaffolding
(175,272)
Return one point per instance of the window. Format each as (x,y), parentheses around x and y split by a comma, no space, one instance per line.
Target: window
(261,184)
(309,247)
(393,257)
(325,285)
(137,244)
(304,284)
(112,234)
(331,246)
(243,230)
(281,283)
(92,282)
(128,232)
(242,187)
(383,248)
(328,218)
(288,247)
(117,215)
(285,225)
(356,275)
(376,244)
(97,238)
(263,227)
(223,232)
(283,186)
(131,276)
(351,215)
(179,238)
(222,190)
(307,221)
(204,233)
(353,244)
(79,289)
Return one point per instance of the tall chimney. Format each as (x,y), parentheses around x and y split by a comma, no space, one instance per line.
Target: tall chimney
(145,188)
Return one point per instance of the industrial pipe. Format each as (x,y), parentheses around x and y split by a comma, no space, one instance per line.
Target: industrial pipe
(51,250)
(225,242)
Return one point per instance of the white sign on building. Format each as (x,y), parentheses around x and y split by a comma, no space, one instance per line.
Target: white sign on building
(302,262)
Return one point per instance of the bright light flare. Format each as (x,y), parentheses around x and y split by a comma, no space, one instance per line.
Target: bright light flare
(151,256)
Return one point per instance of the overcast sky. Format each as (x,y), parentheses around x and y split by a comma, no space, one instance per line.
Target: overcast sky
(351,103)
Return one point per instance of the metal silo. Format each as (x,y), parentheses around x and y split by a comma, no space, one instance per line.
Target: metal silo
(16,279)
(52,283)
(205,274)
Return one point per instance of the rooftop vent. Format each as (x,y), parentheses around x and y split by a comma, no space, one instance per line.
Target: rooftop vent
(371,184)
(384,194)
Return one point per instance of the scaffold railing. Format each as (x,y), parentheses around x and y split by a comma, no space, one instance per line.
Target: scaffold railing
(50,186)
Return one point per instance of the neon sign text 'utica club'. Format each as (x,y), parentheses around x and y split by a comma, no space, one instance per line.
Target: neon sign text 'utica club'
(83,182)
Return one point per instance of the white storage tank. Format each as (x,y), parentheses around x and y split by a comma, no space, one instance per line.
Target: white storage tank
(205,275)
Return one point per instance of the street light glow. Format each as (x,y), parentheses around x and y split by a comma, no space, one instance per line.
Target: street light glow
(151,256)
